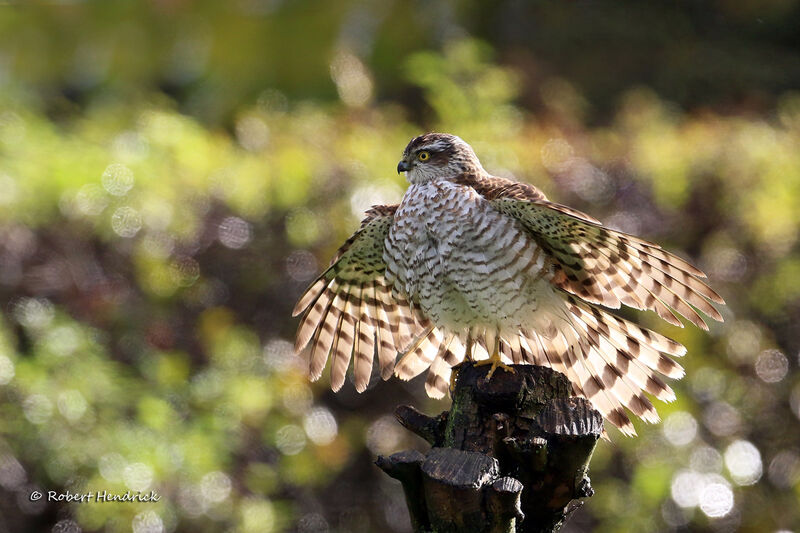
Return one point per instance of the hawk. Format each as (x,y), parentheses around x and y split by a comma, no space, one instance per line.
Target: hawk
(477,267)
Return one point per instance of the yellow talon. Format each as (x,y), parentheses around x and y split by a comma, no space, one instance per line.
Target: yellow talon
(496,363)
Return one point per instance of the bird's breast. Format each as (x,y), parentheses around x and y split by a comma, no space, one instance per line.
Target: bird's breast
(463,261)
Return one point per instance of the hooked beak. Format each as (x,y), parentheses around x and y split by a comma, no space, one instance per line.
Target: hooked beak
(402,166)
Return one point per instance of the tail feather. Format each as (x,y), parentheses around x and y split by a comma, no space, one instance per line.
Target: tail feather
(619,391)
(621,386)
(610,361)
(437,383)
(593,387)
(420,354)
(640,344)
(512,348)
(608,334)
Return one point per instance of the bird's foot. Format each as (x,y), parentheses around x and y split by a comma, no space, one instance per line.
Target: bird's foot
(496,363)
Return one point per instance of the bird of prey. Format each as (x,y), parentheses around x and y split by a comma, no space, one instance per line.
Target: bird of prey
(477,267)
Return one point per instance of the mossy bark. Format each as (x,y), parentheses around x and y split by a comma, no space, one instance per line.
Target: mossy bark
(511,455)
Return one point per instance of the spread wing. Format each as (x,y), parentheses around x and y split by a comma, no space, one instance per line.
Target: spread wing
(608,360)
(601,265)
(349,311)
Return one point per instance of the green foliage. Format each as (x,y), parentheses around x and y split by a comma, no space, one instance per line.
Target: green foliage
(464,88)
(150,257)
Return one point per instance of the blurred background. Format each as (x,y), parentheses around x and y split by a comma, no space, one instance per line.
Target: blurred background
(173,173)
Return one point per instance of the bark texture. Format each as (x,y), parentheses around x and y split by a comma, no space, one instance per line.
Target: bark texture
(511,455)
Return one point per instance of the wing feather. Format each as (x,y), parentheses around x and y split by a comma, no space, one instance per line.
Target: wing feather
(612,362)
(343,343)
(601,265)
(364,349)
(350,311)
(353,312)
(420,354)
(384,340)
(437,383)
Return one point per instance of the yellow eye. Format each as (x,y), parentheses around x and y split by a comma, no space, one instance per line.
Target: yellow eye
(424,156)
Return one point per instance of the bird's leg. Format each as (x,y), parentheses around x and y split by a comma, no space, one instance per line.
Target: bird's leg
(494,359)
(470,343)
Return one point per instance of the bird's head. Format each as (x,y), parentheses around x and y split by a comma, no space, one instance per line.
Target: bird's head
(436,156)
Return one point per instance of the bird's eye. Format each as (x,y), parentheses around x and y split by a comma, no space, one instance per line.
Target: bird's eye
(424,156)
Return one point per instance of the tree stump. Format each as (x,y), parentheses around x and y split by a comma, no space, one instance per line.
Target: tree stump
(510,456)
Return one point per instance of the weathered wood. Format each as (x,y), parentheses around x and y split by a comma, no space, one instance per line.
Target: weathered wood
(504,505)
(453,482)
(430,429)
(406,467)
(510,456)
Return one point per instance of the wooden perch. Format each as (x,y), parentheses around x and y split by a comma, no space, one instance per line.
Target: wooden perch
(510,456)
